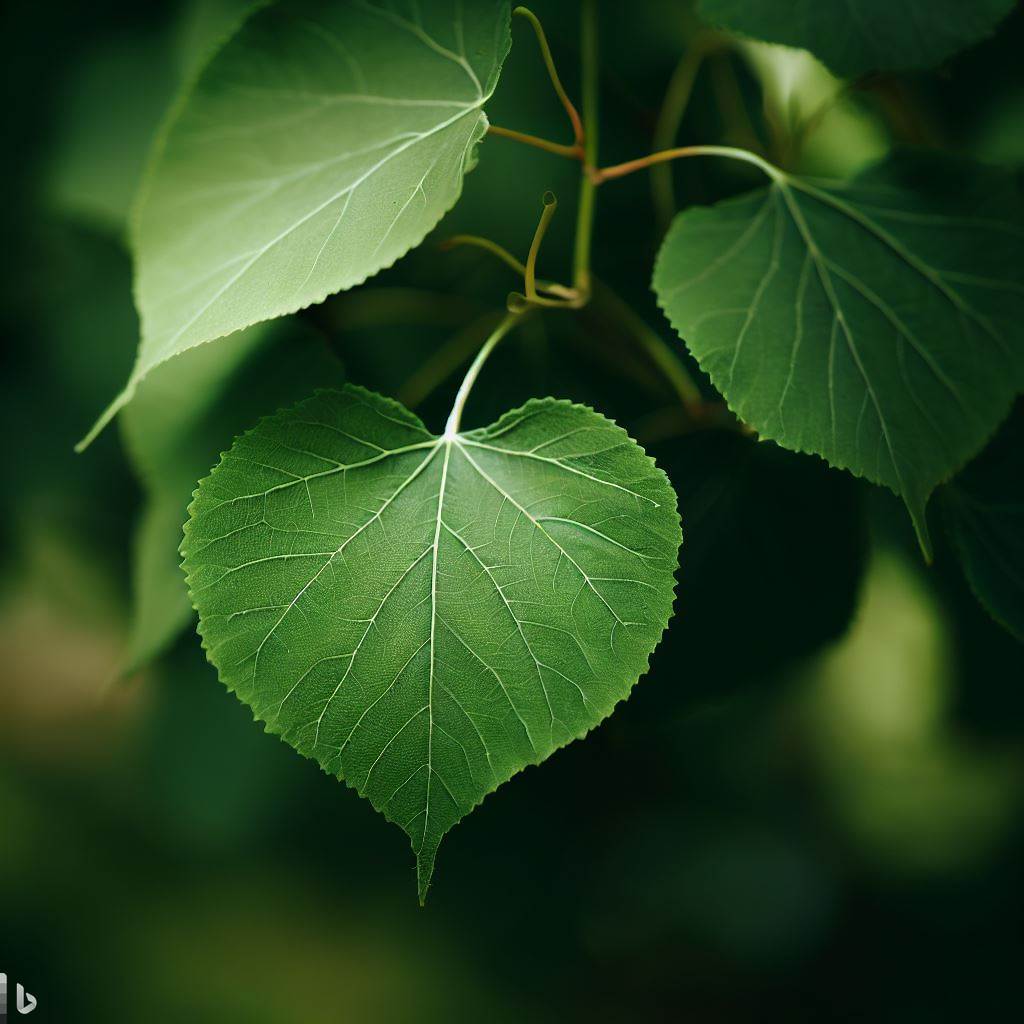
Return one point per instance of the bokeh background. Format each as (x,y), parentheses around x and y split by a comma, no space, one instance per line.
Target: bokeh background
(810,809)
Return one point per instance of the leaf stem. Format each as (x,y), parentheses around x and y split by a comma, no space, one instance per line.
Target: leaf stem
(479,242)
(549,62)
(585,214)
(530,270)
(601,175)
(511,318)
(572,152)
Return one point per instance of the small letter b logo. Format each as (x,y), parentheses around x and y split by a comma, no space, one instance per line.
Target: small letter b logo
(26,1001)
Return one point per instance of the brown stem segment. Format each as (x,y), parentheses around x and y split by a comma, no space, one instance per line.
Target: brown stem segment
(549,63)
(479,242)
(600,175)
(574,152)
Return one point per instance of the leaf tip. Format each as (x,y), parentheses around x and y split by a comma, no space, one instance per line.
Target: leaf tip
(917,507)
(424,873)
(104,419)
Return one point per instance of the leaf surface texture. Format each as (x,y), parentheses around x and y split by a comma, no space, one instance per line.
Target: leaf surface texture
(863,323)
(426,616)
(319,145)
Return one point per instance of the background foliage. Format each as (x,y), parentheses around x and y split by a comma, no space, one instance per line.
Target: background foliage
(796,816)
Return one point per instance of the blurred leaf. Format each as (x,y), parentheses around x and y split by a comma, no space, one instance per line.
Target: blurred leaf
(226,786)
(75,330)
(907,789)
(1000,139)
(774,553)
(205,26)
(322,143)
(113,106)
(854,36)
(183,417)
(160,605)
(84,317)
(984,508)
(427,616)
(876,326)
(172,432)
(114,103)
(819,126)
(61,626)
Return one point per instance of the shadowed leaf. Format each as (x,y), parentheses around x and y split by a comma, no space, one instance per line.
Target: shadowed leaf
(853,36)
(984,508)
(873,325)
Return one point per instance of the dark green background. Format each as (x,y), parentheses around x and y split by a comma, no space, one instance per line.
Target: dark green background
(779,825)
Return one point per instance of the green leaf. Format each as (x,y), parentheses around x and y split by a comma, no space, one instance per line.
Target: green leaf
(854,36)
(169,449)
(425,616)
(984,508)
(871,324)
(322,143)
(204,26)
(174,432)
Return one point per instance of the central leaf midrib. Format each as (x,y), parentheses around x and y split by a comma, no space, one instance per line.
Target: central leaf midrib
(432,447)
(920,266)
(825,279)
(433,636)
(447,444)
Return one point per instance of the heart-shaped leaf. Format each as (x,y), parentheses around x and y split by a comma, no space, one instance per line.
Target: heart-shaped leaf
(853,36)
(425,616)
(319,145)
(869,323)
